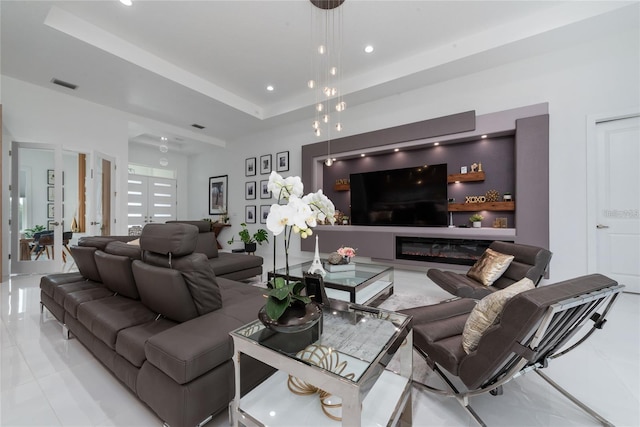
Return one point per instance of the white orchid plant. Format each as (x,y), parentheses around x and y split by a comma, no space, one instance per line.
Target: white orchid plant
(293,213)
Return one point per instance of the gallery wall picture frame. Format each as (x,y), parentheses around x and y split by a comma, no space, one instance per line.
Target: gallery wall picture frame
(250,166)
(250,214)
(282,161)
(265,164)
(50,210)
(51,178)
(50,225)
(50,194)
(264,189)
(218,194)
(250,190)
(264,213)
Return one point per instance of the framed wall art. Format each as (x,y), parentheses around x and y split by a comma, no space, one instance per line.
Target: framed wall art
(264,213)
(50,194)
(264,189)
(250,190)
(265,164)
(250,166)
(50,211)
(51,179)
(250,214)
(282,161)
(218,194)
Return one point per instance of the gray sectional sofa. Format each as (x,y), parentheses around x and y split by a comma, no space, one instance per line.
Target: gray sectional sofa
(159,318)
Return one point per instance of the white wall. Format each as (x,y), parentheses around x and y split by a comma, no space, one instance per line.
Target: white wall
(35,114)
(591,78)
(594,77)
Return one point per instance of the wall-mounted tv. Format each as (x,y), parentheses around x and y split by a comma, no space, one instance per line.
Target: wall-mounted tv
(407,197)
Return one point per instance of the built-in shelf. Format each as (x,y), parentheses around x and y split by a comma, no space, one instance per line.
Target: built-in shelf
(465,177)
(486,206)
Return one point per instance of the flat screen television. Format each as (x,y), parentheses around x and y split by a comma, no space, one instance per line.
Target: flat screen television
(406,197)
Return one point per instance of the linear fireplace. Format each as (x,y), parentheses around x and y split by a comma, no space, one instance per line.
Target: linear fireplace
(443,250)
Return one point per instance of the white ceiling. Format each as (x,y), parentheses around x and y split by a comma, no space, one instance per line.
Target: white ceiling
(174,63)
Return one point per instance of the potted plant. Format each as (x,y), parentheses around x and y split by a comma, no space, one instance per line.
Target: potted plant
(475,219)
(251,241)
(29,232)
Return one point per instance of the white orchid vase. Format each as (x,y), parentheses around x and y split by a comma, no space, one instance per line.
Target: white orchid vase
(293,213)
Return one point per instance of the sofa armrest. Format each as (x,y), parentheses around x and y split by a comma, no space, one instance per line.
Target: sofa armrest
(194,347)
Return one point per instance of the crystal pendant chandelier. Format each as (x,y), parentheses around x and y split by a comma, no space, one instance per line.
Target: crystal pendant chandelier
(326,34)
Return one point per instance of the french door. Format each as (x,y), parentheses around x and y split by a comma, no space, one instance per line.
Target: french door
(37,213)
(60,194)
(151,199)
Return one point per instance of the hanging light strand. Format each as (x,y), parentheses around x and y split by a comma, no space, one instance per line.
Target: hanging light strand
(326,62)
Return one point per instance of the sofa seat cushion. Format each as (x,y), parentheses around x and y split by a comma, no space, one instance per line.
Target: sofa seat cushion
(51,281)
(193,348)
(105,317)
(130,341)
(226,263)
(437,330)
(61,292)
(73,299)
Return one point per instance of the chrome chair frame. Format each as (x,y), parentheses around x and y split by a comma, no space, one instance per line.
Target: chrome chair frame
(560,323)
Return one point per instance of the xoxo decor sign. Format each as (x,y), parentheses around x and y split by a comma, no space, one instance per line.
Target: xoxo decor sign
(475,199)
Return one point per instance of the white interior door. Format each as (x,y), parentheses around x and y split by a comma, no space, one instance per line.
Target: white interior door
(36,206)
(618,201)
(100,203)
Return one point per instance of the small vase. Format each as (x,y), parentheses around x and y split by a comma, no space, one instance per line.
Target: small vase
(346,260)
(477,224)
(297,318)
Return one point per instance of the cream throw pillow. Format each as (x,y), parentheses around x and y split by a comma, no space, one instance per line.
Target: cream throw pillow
(489,267)
(135,242)
(486,312)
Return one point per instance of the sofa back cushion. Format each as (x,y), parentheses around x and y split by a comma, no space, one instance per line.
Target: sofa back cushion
(98,242)
(85,261)
(207,243)
(164,291)
(175,239)
(199,278)
(115,270)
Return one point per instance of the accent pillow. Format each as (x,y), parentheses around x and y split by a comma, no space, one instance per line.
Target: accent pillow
(485,313)
(135,242)
(489,267)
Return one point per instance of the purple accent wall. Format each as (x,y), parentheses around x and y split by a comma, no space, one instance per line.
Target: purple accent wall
(440,126)
(497,156)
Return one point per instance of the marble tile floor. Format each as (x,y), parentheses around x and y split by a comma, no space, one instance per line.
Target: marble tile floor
(49,381)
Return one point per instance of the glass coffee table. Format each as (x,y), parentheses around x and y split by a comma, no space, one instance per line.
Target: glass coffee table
(367,284)
(361,357)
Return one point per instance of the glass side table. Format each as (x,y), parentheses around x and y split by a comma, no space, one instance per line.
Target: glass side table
(367,284)
(373,386)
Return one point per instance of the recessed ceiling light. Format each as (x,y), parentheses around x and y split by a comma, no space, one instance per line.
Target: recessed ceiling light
(368,48)
(270,88)
(396,149)
(362,155)
(126,2)
(436,143)
(483,136)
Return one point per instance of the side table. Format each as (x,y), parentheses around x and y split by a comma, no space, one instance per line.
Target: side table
(367,339)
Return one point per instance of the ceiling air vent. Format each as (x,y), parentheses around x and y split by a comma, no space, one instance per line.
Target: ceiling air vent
(64,84)
(197,126)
